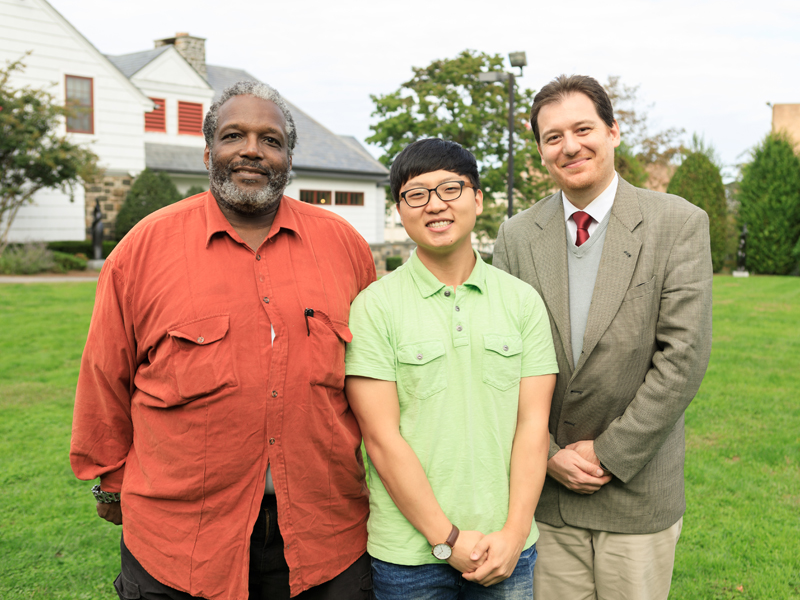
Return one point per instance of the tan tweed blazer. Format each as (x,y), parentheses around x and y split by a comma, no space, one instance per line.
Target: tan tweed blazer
(645,351)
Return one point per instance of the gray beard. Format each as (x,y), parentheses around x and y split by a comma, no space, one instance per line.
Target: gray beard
(242,200)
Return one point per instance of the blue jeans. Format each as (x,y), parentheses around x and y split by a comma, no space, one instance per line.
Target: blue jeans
(443,582)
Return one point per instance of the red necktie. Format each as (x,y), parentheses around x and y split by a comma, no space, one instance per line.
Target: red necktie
(582,220)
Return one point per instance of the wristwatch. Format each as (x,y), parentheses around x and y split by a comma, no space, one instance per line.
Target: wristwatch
(445,550)
(104,497)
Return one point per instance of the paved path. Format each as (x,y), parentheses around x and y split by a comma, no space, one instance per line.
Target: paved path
(75,276)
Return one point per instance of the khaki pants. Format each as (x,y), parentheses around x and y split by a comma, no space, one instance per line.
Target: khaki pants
(585,564)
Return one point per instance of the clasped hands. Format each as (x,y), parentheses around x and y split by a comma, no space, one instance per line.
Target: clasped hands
(577,468)
(486,559)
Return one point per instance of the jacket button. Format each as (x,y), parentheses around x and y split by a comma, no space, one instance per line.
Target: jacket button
(201,339)
(274,393)
(505,348)
(271,441)
(419,356)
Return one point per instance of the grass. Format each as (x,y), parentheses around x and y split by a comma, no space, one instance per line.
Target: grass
(741,536)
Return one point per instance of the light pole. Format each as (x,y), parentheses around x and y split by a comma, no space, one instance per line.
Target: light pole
(517,59)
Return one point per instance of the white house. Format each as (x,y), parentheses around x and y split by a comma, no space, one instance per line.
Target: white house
(331,170)
(146,109)
(111,121)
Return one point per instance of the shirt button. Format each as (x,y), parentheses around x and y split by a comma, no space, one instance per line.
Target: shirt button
(274,394)
(266,299)
(201,339)
(459,328)
(271,441)
(447,293)
(457,309)
(258,257)
(419,356)
(505,348)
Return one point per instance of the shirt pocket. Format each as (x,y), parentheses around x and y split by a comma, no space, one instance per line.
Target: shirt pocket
(502,360)
(421,369)
(202,356)
(327,339)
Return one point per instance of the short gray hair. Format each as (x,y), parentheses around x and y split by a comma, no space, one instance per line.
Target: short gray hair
(250,88)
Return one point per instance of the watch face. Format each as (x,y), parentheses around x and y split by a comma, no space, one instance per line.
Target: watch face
(442,551)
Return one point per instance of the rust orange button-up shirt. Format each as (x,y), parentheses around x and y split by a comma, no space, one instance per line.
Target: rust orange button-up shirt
(184,399)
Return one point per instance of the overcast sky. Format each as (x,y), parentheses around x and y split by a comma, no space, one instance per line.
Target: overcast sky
(708,67)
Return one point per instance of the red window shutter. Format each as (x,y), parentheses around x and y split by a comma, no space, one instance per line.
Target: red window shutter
(190,118)
(156,120)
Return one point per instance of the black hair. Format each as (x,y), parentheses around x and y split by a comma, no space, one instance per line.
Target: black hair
(432,154)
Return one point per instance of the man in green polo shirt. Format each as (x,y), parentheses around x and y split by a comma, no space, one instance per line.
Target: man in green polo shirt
(450,374)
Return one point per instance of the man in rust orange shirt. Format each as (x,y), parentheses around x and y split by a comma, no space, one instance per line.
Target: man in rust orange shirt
(210,399)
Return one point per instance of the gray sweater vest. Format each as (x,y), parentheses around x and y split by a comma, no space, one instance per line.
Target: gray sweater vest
(583,263)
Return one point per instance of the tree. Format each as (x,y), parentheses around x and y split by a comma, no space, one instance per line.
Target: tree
(446,100)
(643,147)
(150,191)
(698,179)
(769,204)
(196,189)
(34,155)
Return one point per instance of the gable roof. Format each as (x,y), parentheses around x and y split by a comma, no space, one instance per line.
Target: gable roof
(130,64)
(83,40)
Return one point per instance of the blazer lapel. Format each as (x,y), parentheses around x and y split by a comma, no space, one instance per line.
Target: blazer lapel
(549,254)
(620,254)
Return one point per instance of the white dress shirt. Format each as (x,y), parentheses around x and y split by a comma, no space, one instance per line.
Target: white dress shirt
(597,209)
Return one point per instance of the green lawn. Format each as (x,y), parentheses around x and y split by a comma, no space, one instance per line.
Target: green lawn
(741,536)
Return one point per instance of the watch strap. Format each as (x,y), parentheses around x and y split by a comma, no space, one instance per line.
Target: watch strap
(104,497)
(451,539)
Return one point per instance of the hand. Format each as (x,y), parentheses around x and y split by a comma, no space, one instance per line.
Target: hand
(586,449)
(575,472)
(461,558)
(111,512)
(501,550)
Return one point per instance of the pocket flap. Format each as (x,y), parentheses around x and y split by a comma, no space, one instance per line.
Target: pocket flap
(505,345)
(202,331)
(340,328)
(420,353)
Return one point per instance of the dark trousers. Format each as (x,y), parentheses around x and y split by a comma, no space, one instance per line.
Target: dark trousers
(269,573)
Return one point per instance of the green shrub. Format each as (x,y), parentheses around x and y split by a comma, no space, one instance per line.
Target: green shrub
(83,247)
(151,191)
(68,262)
(629,167)
(769,204)
(699,181)
(196,189)
(392,262)
(26,259)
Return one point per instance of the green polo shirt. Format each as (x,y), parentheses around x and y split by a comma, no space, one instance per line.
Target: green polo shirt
(457,358)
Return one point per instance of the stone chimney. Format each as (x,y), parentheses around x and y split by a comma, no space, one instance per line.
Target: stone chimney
(193,49)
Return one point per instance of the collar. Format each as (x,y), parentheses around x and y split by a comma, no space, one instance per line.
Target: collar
(597,208)
(285,218)
(428,285)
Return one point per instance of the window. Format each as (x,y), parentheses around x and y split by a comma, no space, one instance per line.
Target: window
(350,198)
(156,119)
(190,118)
(315,197)
(80,100)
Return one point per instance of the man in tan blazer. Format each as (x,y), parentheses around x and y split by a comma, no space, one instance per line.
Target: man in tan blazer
(626,277)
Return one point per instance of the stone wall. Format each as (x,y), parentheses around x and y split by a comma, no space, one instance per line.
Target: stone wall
(110,191)
(381,251)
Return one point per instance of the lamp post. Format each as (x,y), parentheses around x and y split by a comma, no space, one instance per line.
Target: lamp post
(517,59)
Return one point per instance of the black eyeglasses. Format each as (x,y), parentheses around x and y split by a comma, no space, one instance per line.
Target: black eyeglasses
(447,191)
